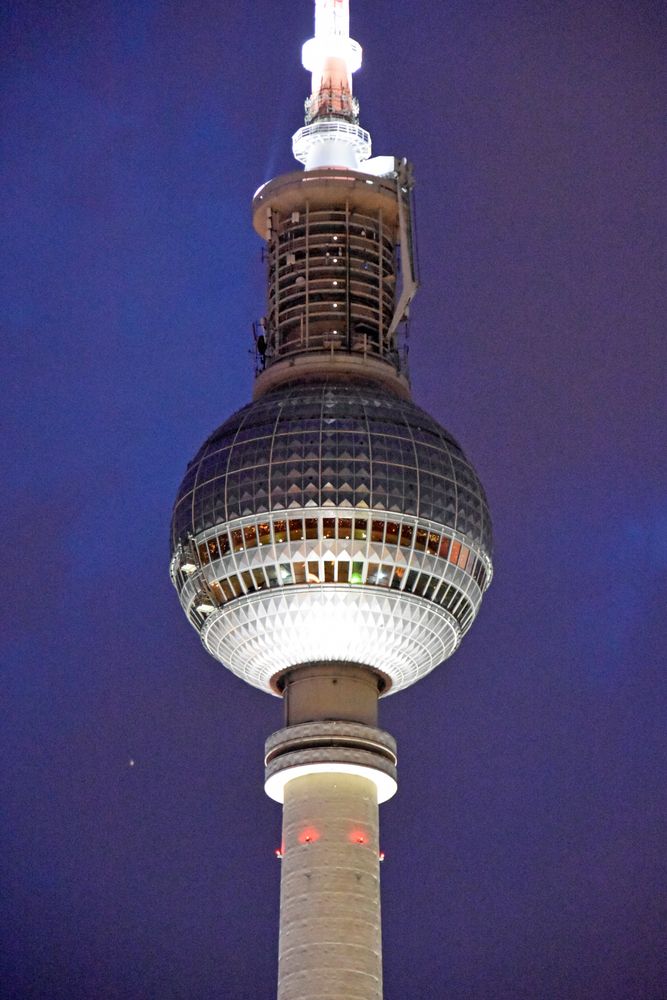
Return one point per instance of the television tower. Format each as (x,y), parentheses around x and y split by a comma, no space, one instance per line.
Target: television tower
(331,542)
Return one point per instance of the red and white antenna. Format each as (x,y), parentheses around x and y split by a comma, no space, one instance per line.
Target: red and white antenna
(332,136)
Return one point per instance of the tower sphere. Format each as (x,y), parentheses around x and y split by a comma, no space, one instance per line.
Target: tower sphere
(331,520)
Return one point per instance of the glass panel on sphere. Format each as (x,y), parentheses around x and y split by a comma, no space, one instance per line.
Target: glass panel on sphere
(384,575)
(372,574)
(271,575)
(444,548)
(248,582)
(463,558)
(329,527)
(259,578)
(286,572)
(357,573)
(237,539)
(420,539)
(377,531)
(329,571)
(447,597)
(360,528)
(227,590)
(311,527)
(411,580)
(406,535)
(280,530)
(433,543)
(454,552)
(392,533)
(264,530)
(314,571)
(299,572)
(203,553)
(223,543)
(397,578)
(343,571)
(345,528)
(421,584)
(295,529)
(250,535)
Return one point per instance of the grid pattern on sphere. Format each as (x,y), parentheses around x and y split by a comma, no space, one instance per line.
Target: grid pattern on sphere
(261,635)
(328,443)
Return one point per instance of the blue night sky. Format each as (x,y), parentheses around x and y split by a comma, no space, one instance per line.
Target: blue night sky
(525,849)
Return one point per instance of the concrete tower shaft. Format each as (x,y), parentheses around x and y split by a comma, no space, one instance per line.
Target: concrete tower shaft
(330,776)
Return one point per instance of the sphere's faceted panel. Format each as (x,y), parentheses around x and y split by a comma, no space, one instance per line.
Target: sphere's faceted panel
(330,443)
(260,635)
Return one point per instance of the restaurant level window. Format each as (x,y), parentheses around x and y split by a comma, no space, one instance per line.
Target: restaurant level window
(295,529)
(280,530)
(360,529)
(311,528)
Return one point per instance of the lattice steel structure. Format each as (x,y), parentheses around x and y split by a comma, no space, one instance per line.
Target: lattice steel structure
(331,543)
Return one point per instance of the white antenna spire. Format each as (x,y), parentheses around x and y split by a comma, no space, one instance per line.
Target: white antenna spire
(332,136)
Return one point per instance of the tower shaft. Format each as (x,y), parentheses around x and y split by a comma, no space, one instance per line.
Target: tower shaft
(330,767)
(330,939)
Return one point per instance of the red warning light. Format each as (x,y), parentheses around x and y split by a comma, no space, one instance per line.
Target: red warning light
(278,853)
(309,835)
(381,856)
(358,837)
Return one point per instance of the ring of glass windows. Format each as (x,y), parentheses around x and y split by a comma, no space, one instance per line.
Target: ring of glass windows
(416,557)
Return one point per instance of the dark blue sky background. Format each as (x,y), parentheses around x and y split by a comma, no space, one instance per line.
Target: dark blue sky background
(525,849)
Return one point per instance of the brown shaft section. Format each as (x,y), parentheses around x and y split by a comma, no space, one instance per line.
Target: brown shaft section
(331,691)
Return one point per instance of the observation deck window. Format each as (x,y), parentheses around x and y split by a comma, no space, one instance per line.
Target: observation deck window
(329,527)
(357,575)
(237,540)
(360,529)
(433,543)
(343,571)
(264,531)
(295,529)
(300,572)
(393,532)
(421,539)
(454,552)
(250,536)
(406,535)
(345,528)
(280,531)
(377,531)
(311,528)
